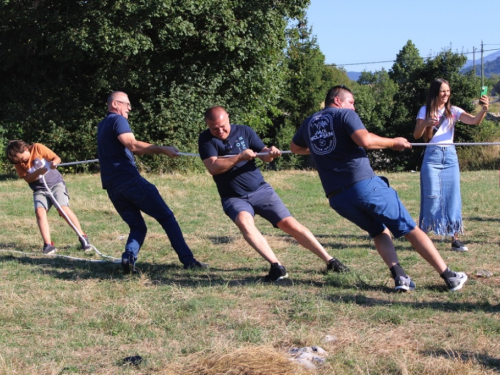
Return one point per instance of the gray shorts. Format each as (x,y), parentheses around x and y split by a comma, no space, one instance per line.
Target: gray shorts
(41,198)
(264,202)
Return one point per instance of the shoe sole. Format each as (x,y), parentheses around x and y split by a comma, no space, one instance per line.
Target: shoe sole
(50,252)
(268,280)
(462,283)
(459,250)
(403,288)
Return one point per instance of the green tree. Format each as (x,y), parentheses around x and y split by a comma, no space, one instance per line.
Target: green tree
(307,81)
(60,59)
(389,102)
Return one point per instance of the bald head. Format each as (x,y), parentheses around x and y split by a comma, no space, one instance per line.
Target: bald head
(217,121)
(215,113)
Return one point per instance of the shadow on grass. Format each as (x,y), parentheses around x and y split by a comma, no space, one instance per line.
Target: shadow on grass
(158,274)
(483,359)
(476,218)
(363,300)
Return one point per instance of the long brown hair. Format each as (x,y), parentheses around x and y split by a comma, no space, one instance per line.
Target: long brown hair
(432,98)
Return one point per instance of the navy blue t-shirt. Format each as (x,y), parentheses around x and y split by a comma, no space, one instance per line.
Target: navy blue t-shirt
(117,162)
(244,177)
(340,161)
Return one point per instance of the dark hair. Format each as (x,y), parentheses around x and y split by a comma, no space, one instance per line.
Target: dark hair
(432,98)
(16,147)
(339,91)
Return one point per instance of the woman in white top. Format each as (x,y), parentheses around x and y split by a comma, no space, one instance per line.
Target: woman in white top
(441,203)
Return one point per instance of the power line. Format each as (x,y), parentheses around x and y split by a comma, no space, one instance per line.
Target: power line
(389,61)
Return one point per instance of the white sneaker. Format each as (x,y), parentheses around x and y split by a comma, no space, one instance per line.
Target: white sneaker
(457,282)
(457,245)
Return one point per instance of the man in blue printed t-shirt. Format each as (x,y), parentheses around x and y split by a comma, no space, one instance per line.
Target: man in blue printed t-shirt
(244,192)
(336,139)
(129,192)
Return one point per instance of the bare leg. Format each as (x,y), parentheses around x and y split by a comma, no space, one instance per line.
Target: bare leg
(424,246)
(246,224)
(304,237)
(43,224)
(385,247)
(71,217)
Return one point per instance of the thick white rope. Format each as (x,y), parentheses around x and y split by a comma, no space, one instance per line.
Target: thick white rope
(230,156)
(59,256)
(289,152)
(78,162)
(458,144)
(80,235)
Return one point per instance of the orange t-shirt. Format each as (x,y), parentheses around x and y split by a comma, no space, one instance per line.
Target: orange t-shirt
(39,151)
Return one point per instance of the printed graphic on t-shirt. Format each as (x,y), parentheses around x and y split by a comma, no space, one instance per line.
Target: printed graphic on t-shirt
(241,144)
(321,134)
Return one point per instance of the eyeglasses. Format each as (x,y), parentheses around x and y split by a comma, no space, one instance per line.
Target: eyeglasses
(125,104)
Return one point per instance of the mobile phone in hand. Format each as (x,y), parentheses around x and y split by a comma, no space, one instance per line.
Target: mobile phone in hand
(484,91)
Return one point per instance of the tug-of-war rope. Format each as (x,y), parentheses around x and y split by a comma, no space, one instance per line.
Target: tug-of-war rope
(108,259)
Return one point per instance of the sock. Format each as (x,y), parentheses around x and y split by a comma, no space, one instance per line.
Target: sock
(447,274)
(397,270)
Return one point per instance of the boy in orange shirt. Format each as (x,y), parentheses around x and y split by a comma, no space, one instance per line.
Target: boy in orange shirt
(31,162)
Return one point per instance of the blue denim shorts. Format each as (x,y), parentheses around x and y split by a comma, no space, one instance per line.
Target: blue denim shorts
(41,198)
(264,202)
(373,206)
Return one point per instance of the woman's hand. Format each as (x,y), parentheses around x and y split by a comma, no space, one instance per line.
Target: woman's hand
(485,101)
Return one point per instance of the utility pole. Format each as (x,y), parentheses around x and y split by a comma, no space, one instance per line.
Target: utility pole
(482,65)
(474,60)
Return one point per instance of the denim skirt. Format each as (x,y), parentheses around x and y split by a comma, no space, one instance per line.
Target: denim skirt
(440,200)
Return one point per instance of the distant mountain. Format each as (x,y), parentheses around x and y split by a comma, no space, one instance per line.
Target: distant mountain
(490,57)
(490,67)
(353,76)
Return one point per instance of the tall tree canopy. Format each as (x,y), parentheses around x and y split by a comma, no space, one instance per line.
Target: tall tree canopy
(60,59)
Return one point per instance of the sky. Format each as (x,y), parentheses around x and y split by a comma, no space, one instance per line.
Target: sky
(363,31)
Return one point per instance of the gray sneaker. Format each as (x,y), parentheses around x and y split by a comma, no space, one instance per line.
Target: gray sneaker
(84,241)
(49,248)
(404,284)
(457,282)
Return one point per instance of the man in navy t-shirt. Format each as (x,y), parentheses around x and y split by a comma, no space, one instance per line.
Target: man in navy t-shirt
(129,192)
(228,152)
(336,138)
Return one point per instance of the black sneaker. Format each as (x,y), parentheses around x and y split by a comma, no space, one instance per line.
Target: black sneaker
(195,265)
(336,265)
(404,284)
(457,245)
(276,273)
(128,263)
(49,248)
(84,241)
(457,282)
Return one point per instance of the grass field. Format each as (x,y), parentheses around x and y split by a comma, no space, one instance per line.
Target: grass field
(73,317)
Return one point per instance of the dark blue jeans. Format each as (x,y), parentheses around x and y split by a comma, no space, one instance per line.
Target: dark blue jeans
(139,195)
